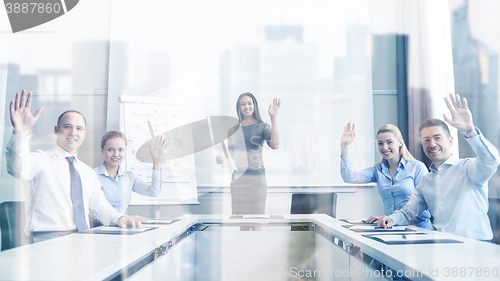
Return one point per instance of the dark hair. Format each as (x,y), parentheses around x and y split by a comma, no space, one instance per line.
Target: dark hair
(110,135)
(68,111)
(430,122)
(256,113)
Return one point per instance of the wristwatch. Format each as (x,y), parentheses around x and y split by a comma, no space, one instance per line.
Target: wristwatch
(468,131)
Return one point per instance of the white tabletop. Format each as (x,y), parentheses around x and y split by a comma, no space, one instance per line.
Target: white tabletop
(96,257)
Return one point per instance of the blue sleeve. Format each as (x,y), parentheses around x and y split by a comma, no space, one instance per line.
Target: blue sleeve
(482,168)
(364,176)
(411,210)
(142,187)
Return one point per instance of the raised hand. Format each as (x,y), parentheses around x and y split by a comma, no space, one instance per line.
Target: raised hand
(273,108)
(158,151)
(461,117)
(20,114)
(348,135)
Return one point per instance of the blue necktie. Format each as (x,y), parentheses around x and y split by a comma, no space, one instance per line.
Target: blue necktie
(77,195)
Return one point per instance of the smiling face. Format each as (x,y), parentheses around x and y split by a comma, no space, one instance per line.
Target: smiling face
(436,144)
(389,146)
(114,151)
(71,132)
(246,106)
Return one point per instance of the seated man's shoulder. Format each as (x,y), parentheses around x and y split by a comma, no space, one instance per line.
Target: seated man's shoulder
(415,163)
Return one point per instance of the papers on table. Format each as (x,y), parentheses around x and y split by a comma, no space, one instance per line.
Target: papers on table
(356,221)
(400,237)
(274,217)
(256,217)
(410,238)
(116,230)
(371,228)
(161,221)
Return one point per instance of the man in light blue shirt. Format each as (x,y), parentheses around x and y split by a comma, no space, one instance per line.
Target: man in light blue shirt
(455,190)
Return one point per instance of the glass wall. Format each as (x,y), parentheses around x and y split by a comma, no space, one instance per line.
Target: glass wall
(476,47)
(317,61)
(329,61)
(315,56)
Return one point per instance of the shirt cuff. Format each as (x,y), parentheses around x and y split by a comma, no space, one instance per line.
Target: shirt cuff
(116,218)
(344,160)
(396,218)
(156,173)
(21,140)
(478,133)
(479,141)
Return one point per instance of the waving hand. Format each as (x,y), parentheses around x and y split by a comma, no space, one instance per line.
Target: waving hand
(461,117)
(157,152)
(348,135)
(273,108)
(20,114)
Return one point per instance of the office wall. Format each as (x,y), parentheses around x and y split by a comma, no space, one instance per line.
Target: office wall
(320,62)
(64,63)
(317,63)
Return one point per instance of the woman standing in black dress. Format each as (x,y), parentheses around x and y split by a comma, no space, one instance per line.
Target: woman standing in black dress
(248,183)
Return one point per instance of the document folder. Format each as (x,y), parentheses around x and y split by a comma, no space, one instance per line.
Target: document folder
(358,221)
(370,228)
(161,221)
(114,230)
(410,238)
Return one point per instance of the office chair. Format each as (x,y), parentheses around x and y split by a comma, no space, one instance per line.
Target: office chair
(313,203)
(12,221)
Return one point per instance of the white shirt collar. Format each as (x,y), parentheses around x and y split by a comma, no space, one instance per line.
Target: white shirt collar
(61,153)
(102,170)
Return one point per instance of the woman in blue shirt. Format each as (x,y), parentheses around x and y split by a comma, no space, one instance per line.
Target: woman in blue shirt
(118,184)
(396,175)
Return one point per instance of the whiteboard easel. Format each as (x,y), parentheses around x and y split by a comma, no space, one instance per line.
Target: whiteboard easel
(139,118)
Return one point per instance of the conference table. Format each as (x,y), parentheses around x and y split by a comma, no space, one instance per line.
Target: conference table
(272,247)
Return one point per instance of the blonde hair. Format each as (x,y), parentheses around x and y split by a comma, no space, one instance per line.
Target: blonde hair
(403,151)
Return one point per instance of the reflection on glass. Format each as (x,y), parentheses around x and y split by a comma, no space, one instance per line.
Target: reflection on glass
(476,72)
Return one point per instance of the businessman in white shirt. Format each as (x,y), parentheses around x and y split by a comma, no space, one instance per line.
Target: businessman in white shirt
(61,190)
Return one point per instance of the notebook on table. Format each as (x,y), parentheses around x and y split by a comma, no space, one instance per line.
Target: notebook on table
(410,238)
(115,230)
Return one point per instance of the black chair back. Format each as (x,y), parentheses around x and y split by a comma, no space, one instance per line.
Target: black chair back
(314,203)
(12,222)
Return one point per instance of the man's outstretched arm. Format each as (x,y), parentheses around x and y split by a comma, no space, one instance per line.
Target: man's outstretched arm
(20,163)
